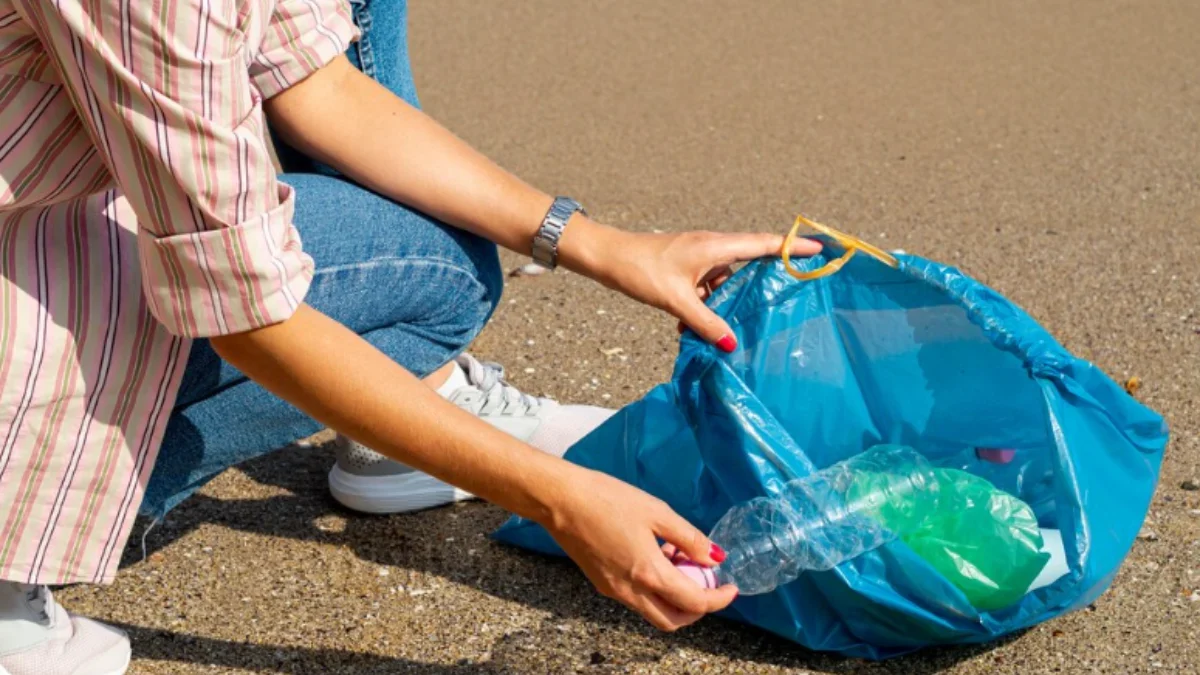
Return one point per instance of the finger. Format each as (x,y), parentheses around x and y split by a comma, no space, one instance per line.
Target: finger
(709,283)
(685,594)
(672,552)
(714,273)
(722,275)
(664,616)
(675,530)
(803,246)
(731,248)
(657,611)
(696,315)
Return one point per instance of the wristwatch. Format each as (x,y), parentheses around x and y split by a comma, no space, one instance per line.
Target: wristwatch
(545,242)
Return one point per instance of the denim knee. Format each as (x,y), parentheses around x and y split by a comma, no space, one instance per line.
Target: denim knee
(381,264)
(491,275)
(477,300)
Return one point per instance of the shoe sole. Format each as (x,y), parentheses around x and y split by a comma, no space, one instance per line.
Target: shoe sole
(402,493)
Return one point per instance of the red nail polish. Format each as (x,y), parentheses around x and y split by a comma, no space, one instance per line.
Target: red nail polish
(727,344)
(717,554)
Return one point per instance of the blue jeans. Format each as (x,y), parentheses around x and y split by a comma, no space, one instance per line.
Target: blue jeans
(417,289)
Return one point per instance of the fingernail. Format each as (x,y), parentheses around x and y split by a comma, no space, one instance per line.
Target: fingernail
(727,343)
(717,554)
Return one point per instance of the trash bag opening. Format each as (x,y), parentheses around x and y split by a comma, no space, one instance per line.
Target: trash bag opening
(844,367)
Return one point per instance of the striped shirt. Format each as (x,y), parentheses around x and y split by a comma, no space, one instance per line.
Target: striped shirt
(139,208)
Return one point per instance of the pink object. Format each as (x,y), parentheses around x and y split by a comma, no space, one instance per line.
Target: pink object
(996,455)
(703,576)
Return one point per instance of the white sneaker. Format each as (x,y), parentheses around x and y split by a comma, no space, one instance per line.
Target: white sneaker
(39,637)
(366,481)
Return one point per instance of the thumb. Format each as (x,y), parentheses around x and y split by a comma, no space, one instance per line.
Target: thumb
(693,543)
(696,315)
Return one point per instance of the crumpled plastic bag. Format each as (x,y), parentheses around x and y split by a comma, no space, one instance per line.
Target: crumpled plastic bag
(983,540)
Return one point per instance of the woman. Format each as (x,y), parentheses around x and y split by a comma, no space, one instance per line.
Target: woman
(154,291)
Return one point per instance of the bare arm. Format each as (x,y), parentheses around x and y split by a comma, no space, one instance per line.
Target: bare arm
(341,380)
(608,527)
(344,118)
(394,149)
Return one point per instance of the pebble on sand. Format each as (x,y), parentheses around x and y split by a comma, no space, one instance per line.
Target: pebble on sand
(528,270)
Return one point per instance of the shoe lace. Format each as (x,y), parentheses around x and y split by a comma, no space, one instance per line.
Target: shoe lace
(488,377)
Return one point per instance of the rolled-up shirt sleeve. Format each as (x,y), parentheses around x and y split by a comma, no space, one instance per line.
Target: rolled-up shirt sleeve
(166,92)
(302,36)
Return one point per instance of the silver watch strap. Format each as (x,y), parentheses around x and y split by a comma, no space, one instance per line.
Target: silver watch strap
(545,242)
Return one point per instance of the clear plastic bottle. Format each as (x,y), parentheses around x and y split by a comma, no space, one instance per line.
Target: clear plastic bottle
(823,519)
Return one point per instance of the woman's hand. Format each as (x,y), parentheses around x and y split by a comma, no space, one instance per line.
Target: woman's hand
(673,272)
(612,531)
(610,528)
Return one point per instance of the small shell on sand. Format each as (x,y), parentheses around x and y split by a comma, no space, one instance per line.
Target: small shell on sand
(528,270)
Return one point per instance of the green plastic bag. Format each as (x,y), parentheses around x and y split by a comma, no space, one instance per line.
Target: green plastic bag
(983,540)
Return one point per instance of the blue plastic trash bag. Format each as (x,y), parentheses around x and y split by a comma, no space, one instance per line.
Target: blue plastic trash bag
(918,355)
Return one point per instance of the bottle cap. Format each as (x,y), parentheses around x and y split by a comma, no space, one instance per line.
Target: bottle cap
(705,577)
(996,455)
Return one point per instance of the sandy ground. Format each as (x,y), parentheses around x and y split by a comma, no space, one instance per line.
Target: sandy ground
(1050,148)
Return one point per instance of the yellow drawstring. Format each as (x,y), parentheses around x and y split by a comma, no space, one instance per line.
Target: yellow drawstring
(852,245)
